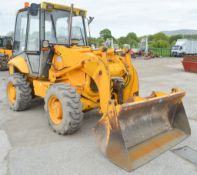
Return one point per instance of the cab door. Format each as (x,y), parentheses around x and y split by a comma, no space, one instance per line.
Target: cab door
(33,43)
(27,39)
(20,34)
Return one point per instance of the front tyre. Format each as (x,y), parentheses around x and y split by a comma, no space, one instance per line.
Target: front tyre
(64,109)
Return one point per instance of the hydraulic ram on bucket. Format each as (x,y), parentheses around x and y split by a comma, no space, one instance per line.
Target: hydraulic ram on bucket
(134,133)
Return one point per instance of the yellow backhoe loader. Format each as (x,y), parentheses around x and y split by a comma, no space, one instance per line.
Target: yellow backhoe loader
(5,52)
(52,60)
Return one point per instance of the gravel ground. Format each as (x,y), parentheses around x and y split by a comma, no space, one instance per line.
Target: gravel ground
(29,147)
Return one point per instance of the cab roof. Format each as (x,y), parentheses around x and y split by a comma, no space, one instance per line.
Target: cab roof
(48,6)
(52,6)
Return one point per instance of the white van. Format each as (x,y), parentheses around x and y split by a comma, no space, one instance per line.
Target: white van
(184,47)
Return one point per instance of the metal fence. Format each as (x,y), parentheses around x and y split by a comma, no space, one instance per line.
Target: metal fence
(160,52)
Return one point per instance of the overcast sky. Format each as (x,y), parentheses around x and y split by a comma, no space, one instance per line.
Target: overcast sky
(120,16)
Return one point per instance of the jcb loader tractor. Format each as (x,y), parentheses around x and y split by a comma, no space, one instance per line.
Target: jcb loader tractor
(5,52)
(52,60)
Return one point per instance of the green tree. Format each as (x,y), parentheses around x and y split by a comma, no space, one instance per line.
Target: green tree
(100,42)
(159,40)
(122,41)
(105,33)
(173,43)
(190,36)
(159,36)
(132,36)
(92,40)
(130,39)
(159,44)
(174,38)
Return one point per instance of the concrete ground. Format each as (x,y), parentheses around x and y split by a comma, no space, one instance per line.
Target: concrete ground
(29,147)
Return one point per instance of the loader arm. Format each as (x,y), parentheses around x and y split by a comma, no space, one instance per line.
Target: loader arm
(132,89)
(102,78)
(100,73)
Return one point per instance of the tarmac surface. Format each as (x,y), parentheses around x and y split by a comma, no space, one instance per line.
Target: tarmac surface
(29,147)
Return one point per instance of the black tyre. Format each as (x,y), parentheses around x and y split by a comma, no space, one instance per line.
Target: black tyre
(19,92)
(63,108)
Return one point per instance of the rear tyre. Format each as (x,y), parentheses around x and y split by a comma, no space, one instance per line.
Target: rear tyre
(19,92)
(63,108)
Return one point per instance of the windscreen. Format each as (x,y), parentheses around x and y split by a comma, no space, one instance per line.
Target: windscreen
(57,25)
(175,47)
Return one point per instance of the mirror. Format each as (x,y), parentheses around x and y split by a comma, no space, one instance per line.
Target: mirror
(33,9)
(90,19)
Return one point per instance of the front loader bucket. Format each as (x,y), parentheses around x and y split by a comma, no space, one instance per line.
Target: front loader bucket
(137,132)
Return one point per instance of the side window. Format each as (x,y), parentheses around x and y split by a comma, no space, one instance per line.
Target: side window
(20,33)
(49,32)
(62,29)
(78,31)
(56,26)
(33,43)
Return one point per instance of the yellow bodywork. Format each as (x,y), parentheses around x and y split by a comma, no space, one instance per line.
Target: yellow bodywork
(11,92)
(6,52)
(18,63)
(55,110)
(132,130)
(49,6)
(79,66)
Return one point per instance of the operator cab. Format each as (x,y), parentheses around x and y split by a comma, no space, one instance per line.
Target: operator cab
(44,25)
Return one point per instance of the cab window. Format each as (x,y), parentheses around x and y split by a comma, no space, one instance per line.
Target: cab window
(33,41)
(20,33)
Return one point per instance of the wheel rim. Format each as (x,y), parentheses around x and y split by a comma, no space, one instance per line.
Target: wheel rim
(11,90)
(55,110)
